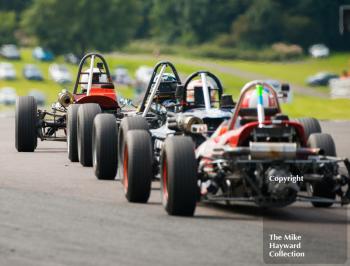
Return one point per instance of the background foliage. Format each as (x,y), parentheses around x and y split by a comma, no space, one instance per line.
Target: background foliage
(81,25)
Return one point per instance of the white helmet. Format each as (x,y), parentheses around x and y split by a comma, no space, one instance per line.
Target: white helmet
(198,84)
(250,99)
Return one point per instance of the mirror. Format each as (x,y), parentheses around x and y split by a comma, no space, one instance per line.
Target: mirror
(100,65)
(227,101)
(285,87)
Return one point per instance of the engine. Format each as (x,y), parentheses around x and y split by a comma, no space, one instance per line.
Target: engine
(65,98)
(183,123)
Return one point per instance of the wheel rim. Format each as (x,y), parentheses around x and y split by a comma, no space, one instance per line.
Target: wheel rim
(125,169)
(165,181)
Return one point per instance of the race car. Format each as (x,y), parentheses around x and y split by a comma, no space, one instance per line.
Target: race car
(109,131)
(94,93)
(91,93)
(258,156)
(200,106)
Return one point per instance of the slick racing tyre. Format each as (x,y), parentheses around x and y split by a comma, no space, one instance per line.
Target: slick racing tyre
(26,124)
(311,126)
(72,128)
(179,189)
(127,124)
(86,115)
(137,166)
(104,146)
(325,188)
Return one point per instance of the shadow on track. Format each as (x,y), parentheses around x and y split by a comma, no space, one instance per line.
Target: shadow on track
(293,213)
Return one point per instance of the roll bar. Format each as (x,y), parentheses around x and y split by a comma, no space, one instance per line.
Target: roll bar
(145,105)
(81,64)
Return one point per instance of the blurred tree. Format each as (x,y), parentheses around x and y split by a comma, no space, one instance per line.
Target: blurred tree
(7,27)
(261,24)
(165,19)
(14,5)
(83,25)
(194,21)
(144,28)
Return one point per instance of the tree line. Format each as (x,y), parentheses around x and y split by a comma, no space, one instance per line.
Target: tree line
(82,25)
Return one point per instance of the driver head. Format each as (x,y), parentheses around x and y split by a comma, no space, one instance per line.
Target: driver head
(197,85)
(97,77)
(167,86)
(250,99)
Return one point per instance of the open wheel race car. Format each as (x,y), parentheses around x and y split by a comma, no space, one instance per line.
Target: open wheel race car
(109,131)
(93,93)
(258,156)
(96,92)
(200,105)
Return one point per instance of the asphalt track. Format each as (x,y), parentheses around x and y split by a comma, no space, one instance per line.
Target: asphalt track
(53,212)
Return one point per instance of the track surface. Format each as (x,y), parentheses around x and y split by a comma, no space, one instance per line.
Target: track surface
(53,212)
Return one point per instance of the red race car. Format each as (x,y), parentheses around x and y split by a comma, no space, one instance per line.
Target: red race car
(73,113)
(258,156)
(93,93)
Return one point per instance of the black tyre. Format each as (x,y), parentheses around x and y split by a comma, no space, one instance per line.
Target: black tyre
(86,115)
(311,126)
(325,188)
(26,124)
(179,187)
(72,128)
(137,166)
(127,124)
(104,146)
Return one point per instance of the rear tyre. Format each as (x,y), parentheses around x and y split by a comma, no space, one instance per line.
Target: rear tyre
(325,188)
(127,124)
(311,126)
(86,115)
(137,174)
(179,176)
(26,124)
(72,128)
(104,146)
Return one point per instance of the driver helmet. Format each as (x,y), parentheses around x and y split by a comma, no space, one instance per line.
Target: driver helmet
(166,77)
(167,86)
(198,84)
(250,99)
(97,77)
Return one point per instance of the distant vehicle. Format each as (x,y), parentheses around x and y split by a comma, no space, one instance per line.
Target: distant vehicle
(319,51)
(10,51)
(7,71)
(32,72)
(321,79)
(38,95)
(60,73)
(71,59)
(42,54)
(8,96)
(281,89)
(121,76)
(142,75)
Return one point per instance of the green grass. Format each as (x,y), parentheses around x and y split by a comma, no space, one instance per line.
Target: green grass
(295,72)
(303,106)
